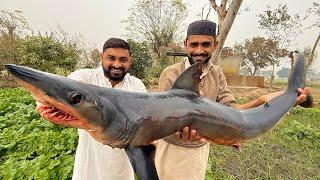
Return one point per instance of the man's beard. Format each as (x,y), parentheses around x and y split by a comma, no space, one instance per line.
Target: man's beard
(191,61)
(111,76)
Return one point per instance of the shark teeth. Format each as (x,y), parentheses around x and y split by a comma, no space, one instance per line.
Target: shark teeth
(53,113)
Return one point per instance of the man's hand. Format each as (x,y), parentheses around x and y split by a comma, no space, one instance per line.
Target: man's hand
(302,97)
(188,134)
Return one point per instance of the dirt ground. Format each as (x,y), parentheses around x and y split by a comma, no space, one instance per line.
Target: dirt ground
(7,82)
(251,93)
(241,92)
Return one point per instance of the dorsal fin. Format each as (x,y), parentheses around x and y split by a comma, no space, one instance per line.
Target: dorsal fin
(189,79)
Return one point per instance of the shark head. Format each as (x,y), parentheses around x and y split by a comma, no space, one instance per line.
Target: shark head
(67,102)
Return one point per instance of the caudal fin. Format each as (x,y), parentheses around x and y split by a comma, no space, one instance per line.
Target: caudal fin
(297,77)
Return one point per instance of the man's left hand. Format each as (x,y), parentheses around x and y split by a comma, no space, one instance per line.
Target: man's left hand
(303,93)
(302,97)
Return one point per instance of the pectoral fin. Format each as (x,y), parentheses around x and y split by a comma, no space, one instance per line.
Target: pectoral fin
(141,159)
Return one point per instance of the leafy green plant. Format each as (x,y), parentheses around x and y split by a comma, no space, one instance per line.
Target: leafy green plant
(30,147)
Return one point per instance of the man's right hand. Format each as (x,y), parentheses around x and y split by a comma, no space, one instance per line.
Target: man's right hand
(187,134)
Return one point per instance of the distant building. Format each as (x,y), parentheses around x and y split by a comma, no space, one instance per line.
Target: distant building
(231,64)
(231,68)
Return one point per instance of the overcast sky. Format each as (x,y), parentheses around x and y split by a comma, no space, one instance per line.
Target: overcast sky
(98,20)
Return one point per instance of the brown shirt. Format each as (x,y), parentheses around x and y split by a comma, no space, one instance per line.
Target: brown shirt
(213,85)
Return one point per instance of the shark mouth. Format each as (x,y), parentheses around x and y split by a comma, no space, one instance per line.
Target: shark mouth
(60,117)
(53,110)
(57,116)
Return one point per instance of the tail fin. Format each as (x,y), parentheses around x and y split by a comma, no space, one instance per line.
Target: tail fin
(297,77)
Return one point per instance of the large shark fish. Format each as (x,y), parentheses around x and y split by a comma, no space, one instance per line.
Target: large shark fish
(132,121)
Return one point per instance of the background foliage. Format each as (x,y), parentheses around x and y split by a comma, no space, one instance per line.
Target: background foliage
(47,53)
(159,24)
(141,59)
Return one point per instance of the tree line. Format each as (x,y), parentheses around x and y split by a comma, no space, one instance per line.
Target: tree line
(153,28)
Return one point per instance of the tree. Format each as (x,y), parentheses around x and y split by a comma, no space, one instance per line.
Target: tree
(202,13)
(13,23)
(281,27)
(259,53)
(87,55)
(141,58)
(311,74)
(12,27)
(227,51)
(312,55)
(158,22)
(314,14)
(46,53)
(283,72)
(226,18)
(307,53)
(317,76)
(95,56)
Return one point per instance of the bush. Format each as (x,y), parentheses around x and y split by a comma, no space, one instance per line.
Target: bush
(47,53)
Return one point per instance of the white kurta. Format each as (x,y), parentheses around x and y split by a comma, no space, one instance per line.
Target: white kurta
(95,161)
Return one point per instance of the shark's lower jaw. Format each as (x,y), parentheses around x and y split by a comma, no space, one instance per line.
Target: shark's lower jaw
(59,117)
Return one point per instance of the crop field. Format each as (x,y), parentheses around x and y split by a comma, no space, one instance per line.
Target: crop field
(32,148)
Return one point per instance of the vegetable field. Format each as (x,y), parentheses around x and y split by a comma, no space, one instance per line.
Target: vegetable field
(31,148)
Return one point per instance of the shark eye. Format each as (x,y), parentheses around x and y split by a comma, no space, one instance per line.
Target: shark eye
(75,98)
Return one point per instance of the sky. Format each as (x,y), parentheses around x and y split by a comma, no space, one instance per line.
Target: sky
(98,20)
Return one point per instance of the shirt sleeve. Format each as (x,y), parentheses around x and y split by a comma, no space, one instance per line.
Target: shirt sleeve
(224,95)
(136,84)
(139,86)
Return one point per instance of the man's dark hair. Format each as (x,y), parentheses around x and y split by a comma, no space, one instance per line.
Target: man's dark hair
(116,43)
